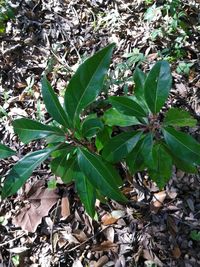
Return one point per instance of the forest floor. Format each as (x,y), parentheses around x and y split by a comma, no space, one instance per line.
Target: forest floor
(158,228)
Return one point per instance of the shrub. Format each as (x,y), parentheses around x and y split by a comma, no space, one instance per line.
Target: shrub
(80,143)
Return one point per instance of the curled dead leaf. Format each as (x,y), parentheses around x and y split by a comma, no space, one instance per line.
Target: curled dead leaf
(157,201)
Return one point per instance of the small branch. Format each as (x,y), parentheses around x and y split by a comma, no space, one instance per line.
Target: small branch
(9,241)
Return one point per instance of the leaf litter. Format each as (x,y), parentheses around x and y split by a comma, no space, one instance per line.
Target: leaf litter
(155,226)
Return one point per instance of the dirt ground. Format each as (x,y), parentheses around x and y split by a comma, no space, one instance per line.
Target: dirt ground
(154,228)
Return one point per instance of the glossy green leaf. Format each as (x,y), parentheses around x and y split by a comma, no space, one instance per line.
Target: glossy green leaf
(161,169)
(87,83)
(103,137)
(52,103)
(139,79)
(91,126)
(179,117)
(147,149)
(141,155)
(64,167)
(23,169)
(112,117)
(6,151)
(134,160)
(54,138)
(181,164)
(29,130)
(87,193)
(182,145)
(184,165)
(120,146)
(157,86)
(127,106)
(101,175)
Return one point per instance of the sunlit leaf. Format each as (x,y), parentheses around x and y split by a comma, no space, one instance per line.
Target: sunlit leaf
(29,130)
(87,83)
(182,145)
(120,146)
(22,170)
(112,117)
(52,103)
(101,175)
(157,86)
(179,117)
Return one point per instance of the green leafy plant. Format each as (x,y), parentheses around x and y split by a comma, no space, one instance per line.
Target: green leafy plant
(5,151)
(70,141)
(195,235)
(87,148)
(172,26)
(184,68)
(6,13)
(156,144)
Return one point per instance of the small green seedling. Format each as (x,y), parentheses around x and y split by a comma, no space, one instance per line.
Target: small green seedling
(195,235)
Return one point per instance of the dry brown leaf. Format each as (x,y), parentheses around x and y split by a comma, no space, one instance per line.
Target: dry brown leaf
(176,252)
(105,246)
(41,200)
(65,207)
(157,201)
(101,262)
(112,218)
(20,85)
(171,224)
(109,233)
(80,235)
(149,255)
(107,219)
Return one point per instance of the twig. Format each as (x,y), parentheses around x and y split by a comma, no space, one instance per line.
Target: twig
(79,245)
(9,241)
(53,222)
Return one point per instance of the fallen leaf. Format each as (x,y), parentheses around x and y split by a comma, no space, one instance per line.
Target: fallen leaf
(112,218)
(40,201)
(105,246)
(101,262)
(65,207)
(117,213)
(80,235)
(149,255)
(20,85)
(107,219)
(157,201)
(176,252)
(69,237)
(171,224)
(109,234)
